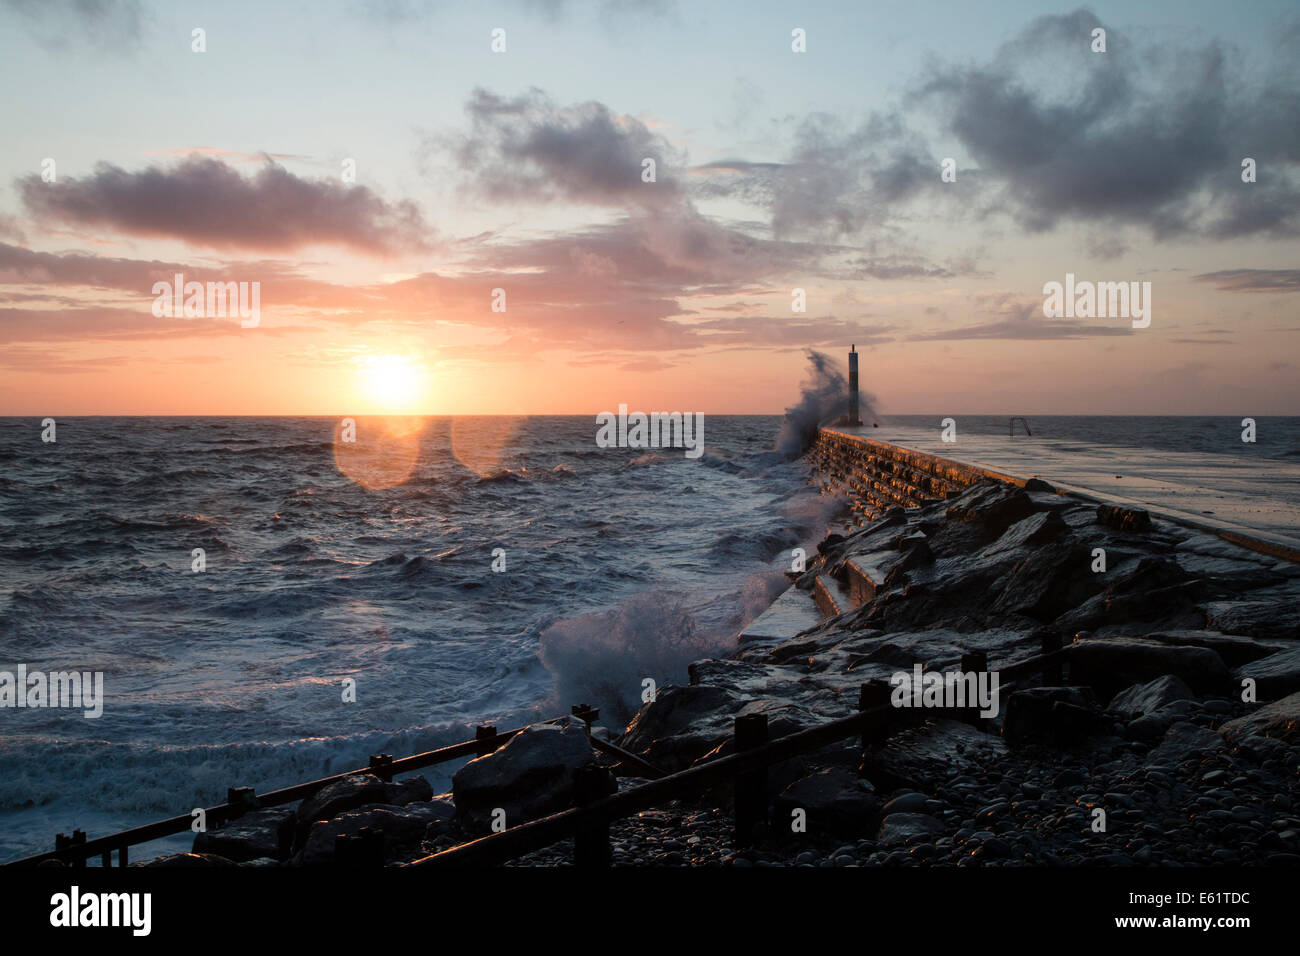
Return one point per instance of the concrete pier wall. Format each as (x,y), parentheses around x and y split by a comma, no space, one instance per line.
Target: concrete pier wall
(877,476)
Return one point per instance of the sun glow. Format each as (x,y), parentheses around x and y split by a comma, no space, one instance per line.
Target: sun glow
(393,383)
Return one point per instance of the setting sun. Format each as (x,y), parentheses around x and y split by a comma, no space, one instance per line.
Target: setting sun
(393,382)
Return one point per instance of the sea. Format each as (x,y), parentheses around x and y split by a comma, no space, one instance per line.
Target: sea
(270,602)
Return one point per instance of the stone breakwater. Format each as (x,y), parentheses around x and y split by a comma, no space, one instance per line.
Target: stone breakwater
(1170,737)
(876,476)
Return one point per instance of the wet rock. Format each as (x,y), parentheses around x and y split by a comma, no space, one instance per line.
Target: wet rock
(1049,581)
(1030,532)
(994,508)
(188,860)
(1131,520)
(681,725)
(531,776)
(338,797)
(1234,649)
(403,829)
(907,828)
(835,799)
(1185,740)
(924,757)
(1275,676)
(1279,720)
(251,836)
(1111,665)
(1147,698)
(1260,619)
(1057,716)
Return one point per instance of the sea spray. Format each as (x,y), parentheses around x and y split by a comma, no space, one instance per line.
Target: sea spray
(824,397)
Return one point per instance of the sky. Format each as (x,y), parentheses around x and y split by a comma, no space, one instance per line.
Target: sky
(378,170)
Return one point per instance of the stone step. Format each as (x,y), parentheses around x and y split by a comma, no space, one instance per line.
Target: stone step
(832,597)
(794,611)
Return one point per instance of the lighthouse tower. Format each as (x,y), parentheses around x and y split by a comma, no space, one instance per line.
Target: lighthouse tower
(852,418)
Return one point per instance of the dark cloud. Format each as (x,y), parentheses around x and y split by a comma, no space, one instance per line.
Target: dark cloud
(838,178)
(205,202)
(1148,135)
(1026,329)
(1253,280)
(109,24)
(528,149)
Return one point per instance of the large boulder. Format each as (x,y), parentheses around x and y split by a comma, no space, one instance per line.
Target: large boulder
(1261,619)
(1114,664)
(1185,741)
(1132,520)
(403,829)
(353,791)
(994,508)
(681,724)
(1275,676)
(249,837)
(531,776)
(902,828)
(1279,720)
(836,800)
(1149,697)
(1030,532)
(1056,716)
(925,757)
(1050,581)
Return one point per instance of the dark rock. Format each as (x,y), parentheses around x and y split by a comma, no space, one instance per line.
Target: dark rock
(925,757)
(681,725)
(1037,484)
(907,828)
(1111,665)
(1261,619)
(188,860)
(1234,649)
(338,797)
(836,800)
(994,509)
(1147,698)
(1132,520)
(1058,716)
(247,838)
(1035,530)
(531,776)
(1185,740)
(403,829)
(1050,581)
(1279,720)
(1275,676)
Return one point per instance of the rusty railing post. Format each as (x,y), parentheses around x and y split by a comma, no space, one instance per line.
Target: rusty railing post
(751,787)
(591,849)
(974,662)
(485,736)
(1053,673)
(381,765)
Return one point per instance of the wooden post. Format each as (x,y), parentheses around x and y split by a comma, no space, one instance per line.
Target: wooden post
(240,800)
(485,736)
(873,694)
(591,849)
(381,765)
(751,788)
(974,662)
(1051,643)
(106,860)
(121,855)
(79,839)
